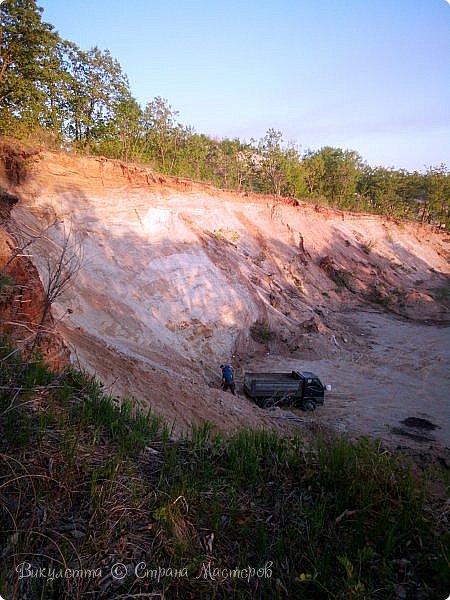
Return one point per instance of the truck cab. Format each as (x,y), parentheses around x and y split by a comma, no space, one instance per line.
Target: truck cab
(313,389)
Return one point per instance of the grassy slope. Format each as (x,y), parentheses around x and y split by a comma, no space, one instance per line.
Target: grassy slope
(86,482)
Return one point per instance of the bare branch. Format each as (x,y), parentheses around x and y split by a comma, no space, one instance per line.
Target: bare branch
(61,269)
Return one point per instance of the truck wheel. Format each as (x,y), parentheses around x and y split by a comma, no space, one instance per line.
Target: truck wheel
(269,403)
(308,405)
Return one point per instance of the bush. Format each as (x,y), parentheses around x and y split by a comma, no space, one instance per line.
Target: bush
(261,332)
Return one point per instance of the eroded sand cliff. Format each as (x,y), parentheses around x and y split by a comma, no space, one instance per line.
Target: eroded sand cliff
(178,277)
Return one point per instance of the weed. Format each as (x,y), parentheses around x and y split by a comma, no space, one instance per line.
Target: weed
(250,452)
(354,587)
(262,256)
(103,486)
(229,236)
(261,332)
(166,433)
(378,297)
(18,427)
(201,440)
(368,245)
(298,283)
(401,267)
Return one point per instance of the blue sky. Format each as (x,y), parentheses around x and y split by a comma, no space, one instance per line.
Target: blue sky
(368,75)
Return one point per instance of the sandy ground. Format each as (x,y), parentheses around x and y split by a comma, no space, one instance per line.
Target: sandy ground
(176,275)
(398,371)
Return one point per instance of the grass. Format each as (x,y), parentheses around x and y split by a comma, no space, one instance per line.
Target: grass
(96,480)
(298,283)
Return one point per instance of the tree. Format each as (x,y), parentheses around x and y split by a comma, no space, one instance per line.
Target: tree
(124,133)
(437,189)
(333,173)
(195,155)
(271,163)
(26,42)
(95,87)
(232,163)
(314,170)
(163,135)
(295,184)
(388,191)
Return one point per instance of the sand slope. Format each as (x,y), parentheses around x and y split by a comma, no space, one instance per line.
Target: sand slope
(176,274)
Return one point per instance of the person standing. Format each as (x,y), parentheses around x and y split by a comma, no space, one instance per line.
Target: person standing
(228,378)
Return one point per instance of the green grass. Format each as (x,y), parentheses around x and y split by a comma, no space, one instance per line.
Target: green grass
(88,480)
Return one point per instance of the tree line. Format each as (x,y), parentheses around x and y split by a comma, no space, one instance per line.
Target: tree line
(54,92)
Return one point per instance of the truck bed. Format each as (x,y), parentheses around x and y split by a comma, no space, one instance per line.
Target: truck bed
(264,385)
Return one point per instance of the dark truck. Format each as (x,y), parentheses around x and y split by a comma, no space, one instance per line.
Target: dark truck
(301,389)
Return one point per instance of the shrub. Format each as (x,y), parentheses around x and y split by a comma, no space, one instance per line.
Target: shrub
(261,332)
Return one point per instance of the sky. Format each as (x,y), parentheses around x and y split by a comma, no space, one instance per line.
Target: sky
(366,75)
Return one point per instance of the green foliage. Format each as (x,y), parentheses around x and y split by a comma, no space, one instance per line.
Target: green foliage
(26,45)
(18,380)
(253,452)
(96,89)
(123,135)
(270,162)
(261,332)
(333,173)
(56,93)
(163,136)
(436,184)
(26,374)
(122,421)
(387,191)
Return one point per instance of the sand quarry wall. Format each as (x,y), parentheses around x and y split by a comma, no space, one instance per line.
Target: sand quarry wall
(178,276)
